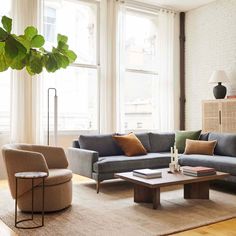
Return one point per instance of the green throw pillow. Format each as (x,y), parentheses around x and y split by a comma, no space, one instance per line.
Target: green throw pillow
(181,136)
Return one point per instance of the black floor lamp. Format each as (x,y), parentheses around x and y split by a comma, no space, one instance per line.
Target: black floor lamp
(55,116)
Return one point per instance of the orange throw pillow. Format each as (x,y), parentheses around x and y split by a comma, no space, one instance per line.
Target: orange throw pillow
(200,147)
(130,144)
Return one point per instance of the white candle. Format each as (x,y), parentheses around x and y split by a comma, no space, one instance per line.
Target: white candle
(172,155)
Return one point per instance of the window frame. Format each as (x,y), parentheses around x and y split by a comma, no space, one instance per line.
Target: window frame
(96,67)
(146,12)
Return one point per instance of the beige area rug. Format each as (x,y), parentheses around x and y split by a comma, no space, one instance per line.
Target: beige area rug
(113,212)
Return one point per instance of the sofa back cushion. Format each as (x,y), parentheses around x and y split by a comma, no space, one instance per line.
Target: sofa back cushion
(204,136)
(161,142)
(103,144)
(75,143)
(226,143)
(144,139)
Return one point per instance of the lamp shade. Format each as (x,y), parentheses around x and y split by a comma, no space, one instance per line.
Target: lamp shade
(218,76)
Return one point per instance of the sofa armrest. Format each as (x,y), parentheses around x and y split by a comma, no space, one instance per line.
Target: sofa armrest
(81,161)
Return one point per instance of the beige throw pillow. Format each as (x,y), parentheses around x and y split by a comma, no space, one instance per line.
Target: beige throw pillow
(200,147)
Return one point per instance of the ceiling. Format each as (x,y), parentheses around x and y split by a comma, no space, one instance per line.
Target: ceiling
(179,5)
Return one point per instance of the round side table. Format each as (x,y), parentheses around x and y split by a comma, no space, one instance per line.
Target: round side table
(32,176)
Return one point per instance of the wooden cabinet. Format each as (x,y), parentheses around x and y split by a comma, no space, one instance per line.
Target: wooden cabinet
(219,115)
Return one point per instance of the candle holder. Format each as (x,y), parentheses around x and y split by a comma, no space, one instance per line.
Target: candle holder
(174,164)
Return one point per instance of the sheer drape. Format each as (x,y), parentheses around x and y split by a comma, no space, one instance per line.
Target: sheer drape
(114,46)
(162,88)
(166,70)
(24,95)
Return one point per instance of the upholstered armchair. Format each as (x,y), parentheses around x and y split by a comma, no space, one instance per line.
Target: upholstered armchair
(53,161)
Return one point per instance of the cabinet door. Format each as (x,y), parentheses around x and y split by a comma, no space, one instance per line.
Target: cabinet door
(228,116)
(211,116)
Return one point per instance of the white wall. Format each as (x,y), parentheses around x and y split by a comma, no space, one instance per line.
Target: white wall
(210,45)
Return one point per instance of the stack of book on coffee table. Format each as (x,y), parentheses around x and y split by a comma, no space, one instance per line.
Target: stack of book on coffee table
(198,171)
(147,173)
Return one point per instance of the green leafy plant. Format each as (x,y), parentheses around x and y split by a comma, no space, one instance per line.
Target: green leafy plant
(26,51)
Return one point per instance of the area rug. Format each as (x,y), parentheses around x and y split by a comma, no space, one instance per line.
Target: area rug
(113,212)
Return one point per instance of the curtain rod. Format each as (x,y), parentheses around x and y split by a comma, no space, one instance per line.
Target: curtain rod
(147,5)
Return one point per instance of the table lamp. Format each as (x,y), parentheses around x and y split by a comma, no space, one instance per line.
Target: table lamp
(219,77)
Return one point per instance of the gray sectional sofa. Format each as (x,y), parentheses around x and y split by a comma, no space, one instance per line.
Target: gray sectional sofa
(224,158)
(99,157)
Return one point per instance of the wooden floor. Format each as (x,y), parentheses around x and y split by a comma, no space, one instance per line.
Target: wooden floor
(227,228)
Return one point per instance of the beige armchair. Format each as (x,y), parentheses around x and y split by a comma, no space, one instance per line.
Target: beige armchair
(52,160)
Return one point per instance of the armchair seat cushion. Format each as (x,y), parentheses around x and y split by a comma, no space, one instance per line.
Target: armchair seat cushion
(58,176)
(111,164)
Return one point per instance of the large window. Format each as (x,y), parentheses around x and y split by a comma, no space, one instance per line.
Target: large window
(139,83)
(5,82)
(77,86)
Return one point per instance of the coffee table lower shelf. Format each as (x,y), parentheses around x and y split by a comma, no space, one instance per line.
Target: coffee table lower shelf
(148,190)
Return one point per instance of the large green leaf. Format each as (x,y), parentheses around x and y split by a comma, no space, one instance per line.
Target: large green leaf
(3,34)
(34,62)
(37,41)
(71,55)
(62,38)
(18,64)
(11,49)
(7,23)
(51,63)
(3,62)
(25,42)
(62,61)
(63,46)
(30,32)
(35,66)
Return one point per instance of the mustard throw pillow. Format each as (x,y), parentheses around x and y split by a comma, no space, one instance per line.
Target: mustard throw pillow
(130,144)
(200,147)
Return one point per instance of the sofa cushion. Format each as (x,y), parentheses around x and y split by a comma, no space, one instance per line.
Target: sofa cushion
(144,139)
(161,142)
(220,163)
(124,163)
(103,144)
(130,144)
(181,136)
(204,136)
(226,143)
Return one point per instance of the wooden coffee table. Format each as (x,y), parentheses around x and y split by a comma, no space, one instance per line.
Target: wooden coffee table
(148,190)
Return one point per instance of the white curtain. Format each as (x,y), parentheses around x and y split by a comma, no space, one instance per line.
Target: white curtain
(163,87)
(23,92)
(115,20)
(166,70)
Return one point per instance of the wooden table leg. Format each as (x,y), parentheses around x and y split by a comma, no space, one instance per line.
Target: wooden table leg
(156,195)
(147,195)
(198,190)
